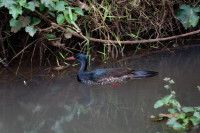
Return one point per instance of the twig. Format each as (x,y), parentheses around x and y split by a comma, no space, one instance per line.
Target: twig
(116,42)
(129,42)
(21,51)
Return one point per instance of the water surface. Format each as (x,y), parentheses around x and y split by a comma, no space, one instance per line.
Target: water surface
(63,105)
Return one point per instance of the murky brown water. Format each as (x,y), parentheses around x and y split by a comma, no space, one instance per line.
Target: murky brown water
(63,105)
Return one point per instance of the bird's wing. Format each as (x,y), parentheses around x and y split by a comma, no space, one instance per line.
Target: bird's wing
(107,73)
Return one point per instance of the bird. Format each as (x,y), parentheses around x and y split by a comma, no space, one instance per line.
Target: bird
(107,75)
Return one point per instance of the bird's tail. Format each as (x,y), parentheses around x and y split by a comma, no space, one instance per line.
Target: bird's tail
(144,74)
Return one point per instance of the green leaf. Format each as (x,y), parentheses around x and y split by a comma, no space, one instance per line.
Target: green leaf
(17,27)
(175,103)
(7,3)
(177,126)
(60,6)
(71,19)
(195,121)
(166,79)
(48,3)
(30,6)
(171,81)
(15,11)
(171,121)
(197,114)
(36,21)
(52,14)
(158,104)
(13,22)
(50,36)
(31,30)
(185,122)
(197,108)
(187,109)
(198,87)
(22,2)
(41,7)
(172,111)
(62,57)
(60,19)
(79,11)
(181,116)
(166,99)
(167,87)
(188,15)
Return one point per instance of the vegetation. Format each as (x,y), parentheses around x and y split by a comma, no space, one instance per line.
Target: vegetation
(110,23)
(180,118)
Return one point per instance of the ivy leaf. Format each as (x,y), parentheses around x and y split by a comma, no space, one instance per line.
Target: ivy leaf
(171,121)
(36,21)
(25,20)
(7,3)
(17,25)
(79,11)
(13,22)
(48,3)
(181,116)
(172,111)
(166,99)
(60,6)
(30,6)
(22,2)
(158,104)
(197,114)
(177,126)
(15,11)
(188,109)
(60,19)
(188,15)
(31,30)
(194,120)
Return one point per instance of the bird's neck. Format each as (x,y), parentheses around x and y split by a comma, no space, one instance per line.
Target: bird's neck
(83,66)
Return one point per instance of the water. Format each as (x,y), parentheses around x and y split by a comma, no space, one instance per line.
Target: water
(63,105)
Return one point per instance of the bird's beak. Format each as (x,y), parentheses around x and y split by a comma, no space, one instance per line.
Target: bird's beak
(71,58)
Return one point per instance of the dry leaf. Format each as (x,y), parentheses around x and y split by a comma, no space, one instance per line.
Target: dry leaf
(169,115)
(60,68)
(57,44)
(68,35)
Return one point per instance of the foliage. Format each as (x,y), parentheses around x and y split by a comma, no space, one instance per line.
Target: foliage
(185,115)
(21,9)
(188,15)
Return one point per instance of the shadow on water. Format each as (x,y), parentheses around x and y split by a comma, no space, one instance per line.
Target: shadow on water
(64,105)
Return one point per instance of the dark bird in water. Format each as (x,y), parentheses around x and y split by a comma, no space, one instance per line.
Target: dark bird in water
(106,76)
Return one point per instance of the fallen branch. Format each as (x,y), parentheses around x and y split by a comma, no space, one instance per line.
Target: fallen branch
(127,42)
(116,42)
